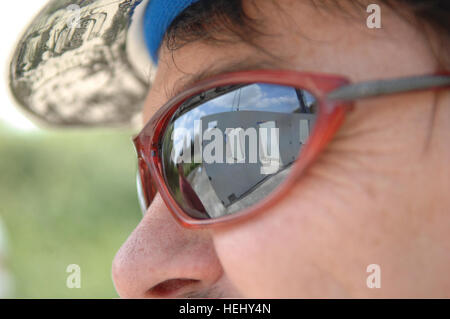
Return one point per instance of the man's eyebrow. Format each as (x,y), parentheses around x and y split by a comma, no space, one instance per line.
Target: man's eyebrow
(189,80)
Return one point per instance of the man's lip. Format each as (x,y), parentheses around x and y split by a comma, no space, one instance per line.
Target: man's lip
(172,288)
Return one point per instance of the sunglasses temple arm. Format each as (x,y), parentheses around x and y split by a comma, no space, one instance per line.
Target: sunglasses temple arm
(386,87)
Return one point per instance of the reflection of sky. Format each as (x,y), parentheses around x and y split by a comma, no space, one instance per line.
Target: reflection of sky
(264,97)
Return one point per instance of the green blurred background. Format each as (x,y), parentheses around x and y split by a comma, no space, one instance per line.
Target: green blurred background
(65,198)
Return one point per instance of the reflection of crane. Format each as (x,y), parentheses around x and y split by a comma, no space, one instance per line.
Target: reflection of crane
(237,95)
(301,98)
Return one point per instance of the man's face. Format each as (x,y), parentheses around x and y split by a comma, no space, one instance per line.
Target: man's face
(376,195)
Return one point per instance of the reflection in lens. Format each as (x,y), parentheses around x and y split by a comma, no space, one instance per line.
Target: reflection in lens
(229,148)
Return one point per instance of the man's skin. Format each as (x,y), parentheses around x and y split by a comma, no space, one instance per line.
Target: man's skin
(378,194)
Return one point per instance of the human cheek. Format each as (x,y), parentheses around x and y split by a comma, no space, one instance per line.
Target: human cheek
(317,240)
(278,252)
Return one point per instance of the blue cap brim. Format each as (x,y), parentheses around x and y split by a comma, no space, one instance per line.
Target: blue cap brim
(158,17)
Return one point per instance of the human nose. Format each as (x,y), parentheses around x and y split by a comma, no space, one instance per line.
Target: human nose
(161,259)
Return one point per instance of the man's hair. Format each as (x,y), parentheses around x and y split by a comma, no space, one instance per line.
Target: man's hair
(226,20)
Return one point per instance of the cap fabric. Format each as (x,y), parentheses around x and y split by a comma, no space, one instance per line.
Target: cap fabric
(158,17)
(95,72)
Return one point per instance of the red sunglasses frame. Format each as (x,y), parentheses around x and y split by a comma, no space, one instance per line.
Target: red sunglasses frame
(335,98)
(329,118)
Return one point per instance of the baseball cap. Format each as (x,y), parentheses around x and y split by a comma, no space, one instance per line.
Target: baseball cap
(90,63)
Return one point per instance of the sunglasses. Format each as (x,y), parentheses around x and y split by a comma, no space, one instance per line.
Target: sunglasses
(233,145)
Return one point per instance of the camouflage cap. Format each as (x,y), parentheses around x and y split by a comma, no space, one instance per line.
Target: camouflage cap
(83,63)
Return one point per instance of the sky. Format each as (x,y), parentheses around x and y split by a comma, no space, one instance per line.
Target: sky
(14,17)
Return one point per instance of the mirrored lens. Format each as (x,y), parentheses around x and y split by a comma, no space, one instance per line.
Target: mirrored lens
(230,147)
